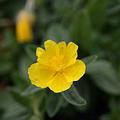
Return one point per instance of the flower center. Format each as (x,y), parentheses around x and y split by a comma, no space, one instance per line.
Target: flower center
(57,63)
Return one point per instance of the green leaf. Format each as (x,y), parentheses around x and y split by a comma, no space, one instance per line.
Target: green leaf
(10,106)
(72,96)
(31,90)
(84,90)
(54,103)
(104,76)
(90,59)
(25,101)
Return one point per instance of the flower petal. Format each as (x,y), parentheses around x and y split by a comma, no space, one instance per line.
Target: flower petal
(40,75)
(62,47)
(39,52)
(59,83)
(51,54)
(72,48)
(75,71)
(70,54)
(51,47)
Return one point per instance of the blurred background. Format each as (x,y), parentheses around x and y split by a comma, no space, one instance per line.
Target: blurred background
(94,25)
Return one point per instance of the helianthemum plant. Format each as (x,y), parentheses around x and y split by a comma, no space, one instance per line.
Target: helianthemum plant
(57,66)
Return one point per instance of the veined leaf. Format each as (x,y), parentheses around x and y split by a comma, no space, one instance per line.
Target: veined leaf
(72,96)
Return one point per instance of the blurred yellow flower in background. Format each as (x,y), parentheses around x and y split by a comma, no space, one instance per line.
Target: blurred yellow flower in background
(57,66)
(24,22)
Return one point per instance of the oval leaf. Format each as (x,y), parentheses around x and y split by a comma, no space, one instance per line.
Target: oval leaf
(73,97)
(104,76)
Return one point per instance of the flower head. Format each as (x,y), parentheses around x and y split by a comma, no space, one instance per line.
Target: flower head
(24,26)
(56,66)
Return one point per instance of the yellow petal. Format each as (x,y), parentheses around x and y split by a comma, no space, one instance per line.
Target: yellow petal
(72,50)
(62,47)
(72,47)
(59,83)
(39,52)
(75,71)
(40,75)
(70,54)
(51,47)
(51,52)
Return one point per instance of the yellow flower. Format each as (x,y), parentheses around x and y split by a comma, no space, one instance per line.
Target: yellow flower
(24,26)
(56,66)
